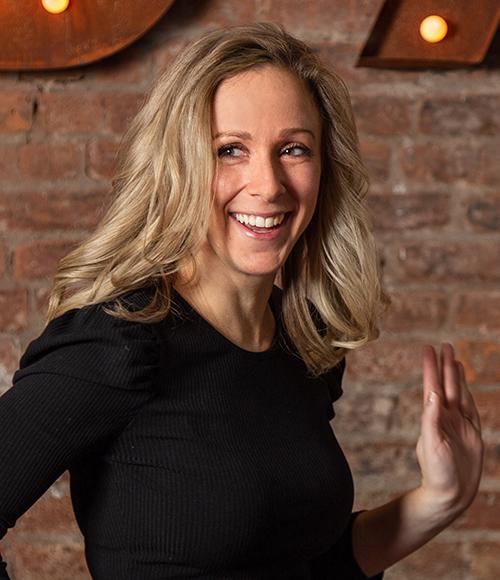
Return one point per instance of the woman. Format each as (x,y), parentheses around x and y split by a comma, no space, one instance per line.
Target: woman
(188,395)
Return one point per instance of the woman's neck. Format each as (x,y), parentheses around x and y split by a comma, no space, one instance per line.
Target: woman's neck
(240,312)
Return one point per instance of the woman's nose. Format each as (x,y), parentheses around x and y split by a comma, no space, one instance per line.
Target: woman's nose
(266,178)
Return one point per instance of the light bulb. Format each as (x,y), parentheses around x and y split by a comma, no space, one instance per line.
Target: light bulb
(433,28)
(55,6)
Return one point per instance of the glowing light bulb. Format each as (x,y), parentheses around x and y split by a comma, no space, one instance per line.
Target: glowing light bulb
(55,6)
(433,28)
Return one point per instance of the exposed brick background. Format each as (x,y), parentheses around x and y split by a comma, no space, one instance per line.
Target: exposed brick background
(430,140)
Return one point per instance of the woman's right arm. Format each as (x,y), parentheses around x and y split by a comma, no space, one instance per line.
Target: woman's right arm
(83,379)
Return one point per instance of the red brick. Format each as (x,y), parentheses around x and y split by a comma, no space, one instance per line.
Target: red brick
(379,458)
(321,15)
(51,160)
(8,162)
(478,310)
(13,309)
(164,54)
(488,405)
(409,211)
(472,115)
(480,214)
(436,261)
(342,58)
(76,112)
(42,299)
(491,466)
(436,559)
(381,116)
(52,513)
(386,360)
(376,157)
(50,210)
(40,259)
(485,560)
(199,15)
(126,66)
(483,513)
(408,413)
(57,561)
(8,78)
(481,360)
(457,162)
(416,310)
(367,498)
(60,77)
(431,162)
(15,112)
(101,158)
(372,413)
(120,109)
(3,257)
(489,168)
(10,353)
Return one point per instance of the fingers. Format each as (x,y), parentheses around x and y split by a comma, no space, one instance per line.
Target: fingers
(444,379)
(467,405)
(451,378)
(448,384)
(431,379)
(433,401)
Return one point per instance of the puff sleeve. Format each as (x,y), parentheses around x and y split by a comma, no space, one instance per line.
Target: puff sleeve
(80,381)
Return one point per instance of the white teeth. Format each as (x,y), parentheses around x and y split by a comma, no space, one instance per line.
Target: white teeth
(259,221)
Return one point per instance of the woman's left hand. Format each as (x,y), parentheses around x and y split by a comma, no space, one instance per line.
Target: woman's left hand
(450,448)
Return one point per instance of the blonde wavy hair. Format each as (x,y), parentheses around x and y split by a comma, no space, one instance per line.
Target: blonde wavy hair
(159,209)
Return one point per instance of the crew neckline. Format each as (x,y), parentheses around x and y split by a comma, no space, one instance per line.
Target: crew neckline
(274,309)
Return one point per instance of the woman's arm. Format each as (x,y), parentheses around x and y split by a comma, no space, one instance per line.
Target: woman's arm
(450,454)
(78,383)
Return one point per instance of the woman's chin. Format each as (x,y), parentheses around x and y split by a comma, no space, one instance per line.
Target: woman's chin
(261,269)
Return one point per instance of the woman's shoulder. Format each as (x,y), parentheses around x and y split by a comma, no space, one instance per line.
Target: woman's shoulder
(91,344)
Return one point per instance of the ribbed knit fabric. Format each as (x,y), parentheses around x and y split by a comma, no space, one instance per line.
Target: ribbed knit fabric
(189,457)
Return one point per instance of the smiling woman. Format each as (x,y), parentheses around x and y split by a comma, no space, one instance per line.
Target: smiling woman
(246,121)
(268,142)
(196,342)
(274,169)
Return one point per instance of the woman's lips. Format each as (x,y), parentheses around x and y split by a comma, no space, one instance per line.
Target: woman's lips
(262,233)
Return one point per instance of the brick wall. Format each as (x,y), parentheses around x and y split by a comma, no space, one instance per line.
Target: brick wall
(430,140)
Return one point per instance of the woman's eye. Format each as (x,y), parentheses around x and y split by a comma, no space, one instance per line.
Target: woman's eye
(229,151)
(297,150)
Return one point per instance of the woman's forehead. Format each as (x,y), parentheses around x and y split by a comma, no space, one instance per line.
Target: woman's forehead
(261,96)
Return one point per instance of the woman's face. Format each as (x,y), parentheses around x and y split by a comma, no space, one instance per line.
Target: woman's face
(266,134)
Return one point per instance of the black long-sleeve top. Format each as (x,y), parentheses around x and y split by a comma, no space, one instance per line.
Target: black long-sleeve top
(189,457)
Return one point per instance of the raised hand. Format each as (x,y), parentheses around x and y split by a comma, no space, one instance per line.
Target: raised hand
(450,448)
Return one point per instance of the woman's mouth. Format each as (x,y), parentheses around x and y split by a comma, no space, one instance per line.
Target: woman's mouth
(261,227)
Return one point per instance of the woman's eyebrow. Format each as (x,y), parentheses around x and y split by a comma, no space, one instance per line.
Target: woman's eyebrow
(240,134)
(248,136)
(286,132)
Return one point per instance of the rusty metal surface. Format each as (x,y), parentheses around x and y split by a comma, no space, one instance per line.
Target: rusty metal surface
(33,39)
(395,40)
